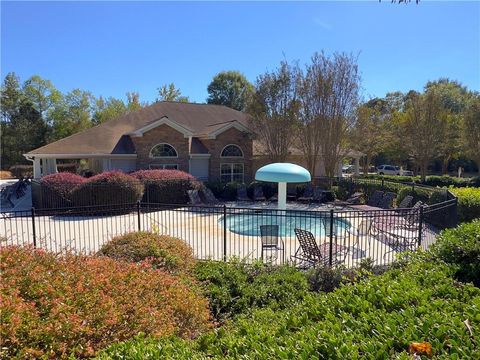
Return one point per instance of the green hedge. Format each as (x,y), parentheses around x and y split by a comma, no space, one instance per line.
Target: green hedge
(468,203)
(461,247)
(432,180)
(377,318)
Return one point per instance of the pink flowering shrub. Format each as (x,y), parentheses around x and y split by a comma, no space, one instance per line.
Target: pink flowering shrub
(167,186)
(72,306)
(108,188)
(62,183)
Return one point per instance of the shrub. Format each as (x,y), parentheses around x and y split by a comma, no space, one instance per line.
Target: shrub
(468,203)
(236,288)
(5,174)
(418,194)
(269,189)
(62,183)
(20,171)
(377,318)
(164,252)
(54,307)
(166,186)
(108,188)
(461,247)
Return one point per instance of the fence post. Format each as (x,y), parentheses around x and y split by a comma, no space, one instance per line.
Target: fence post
(138,216)
(383,181)
(330,250)
(413,188)
(34,229)
(224,232)
(420,227)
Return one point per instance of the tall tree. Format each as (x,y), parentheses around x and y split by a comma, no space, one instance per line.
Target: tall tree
(133,101)
(472,129)
(329,97)
(170,93)
(274,111)
(424,128)
(42,95)
(230,88)
(108,109)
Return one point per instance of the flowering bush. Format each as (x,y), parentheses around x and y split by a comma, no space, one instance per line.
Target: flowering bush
(166,186)
(56,307)
(168,253)
(108,188)
(62,183)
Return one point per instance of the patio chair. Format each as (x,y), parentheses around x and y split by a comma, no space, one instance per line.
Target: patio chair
(271,241)
(406,202)
(386,202)
(319,195)
(307,194)
(398,243)
(354,199)
(242,193)
(194,197)
(375,199)
(6,196)
(310,254)
(210,198)
(258,194)
(291,193)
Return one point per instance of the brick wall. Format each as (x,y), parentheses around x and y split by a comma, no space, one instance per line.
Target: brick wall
(215,147)
(161,134)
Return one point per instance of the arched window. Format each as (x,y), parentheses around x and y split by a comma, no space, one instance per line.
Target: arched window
(162,151)
(232,151)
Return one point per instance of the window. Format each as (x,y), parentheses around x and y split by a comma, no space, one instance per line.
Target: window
(232,151)
(163,150)
(164,166)
(231,173)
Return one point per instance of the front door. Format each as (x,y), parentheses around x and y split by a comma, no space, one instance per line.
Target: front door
(199,168)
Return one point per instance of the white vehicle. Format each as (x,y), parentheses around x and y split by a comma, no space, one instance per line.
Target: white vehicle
(392,170)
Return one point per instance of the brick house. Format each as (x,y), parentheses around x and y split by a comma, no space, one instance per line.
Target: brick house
(211,142)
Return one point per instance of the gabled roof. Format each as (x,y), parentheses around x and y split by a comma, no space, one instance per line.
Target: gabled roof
(110,137)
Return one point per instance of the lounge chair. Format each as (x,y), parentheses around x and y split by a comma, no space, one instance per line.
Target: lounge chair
(354,199)
(319,195)
(258,194)
(210,198)
(307,194)
(406,202)
(194,197)
(386,202)
(375,199)
(398,242)
(311,255)
(242,193)
(271,241)
(291,193)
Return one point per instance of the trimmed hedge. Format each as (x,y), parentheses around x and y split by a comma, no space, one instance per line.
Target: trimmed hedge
(377,318)
(468,203)
(166,186)
(431,180)
(163,252)
(61,184)
(461,247)
(108,188)
(56,307)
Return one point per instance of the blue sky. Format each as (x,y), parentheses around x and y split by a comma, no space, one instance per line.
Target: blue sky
(110,48)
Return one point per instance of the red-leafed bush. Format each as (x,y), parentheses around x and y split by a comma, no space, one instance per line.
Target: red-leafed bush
(108,188)
(165,252)
(167,186)
(56,307)
(62,183)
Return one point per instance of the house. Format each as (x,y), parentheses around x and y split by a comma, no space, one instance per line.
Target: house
(211,142)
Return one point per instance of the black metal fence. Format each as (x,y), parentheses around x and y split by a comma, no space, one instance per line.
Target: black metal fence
(343,236)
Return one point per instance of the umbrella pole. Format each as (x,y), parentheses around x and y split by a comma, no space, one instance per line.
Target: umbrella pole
(282,196)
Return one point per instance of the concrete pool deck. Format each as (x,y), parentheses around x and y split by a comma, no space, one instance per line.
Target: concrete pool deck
(201,229)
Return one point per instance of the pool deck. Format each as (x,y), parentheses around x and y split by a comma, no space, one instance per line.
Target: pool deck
(202,230)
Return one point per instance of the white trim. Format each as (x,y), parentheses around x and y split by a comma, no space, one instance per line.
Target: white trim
(234,124)
(200,156)
(162,157)
(232,157)
(78,156)
(162,121)
(162,166)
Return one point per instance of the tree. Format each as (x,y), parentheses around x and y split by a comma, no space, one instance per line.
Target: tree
(367,135)
(424,128)
(42,95)
(230,88)
(274,111)
(108,109)
(133,101)
(472,129)
(170,93)
(329,96)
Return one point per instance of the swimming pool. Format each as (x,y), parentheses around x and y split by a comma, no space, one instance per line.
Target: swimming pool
(248,223)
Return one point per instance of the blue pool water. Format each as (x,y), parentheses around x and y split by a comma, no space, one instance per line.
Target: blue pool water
(248,223)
